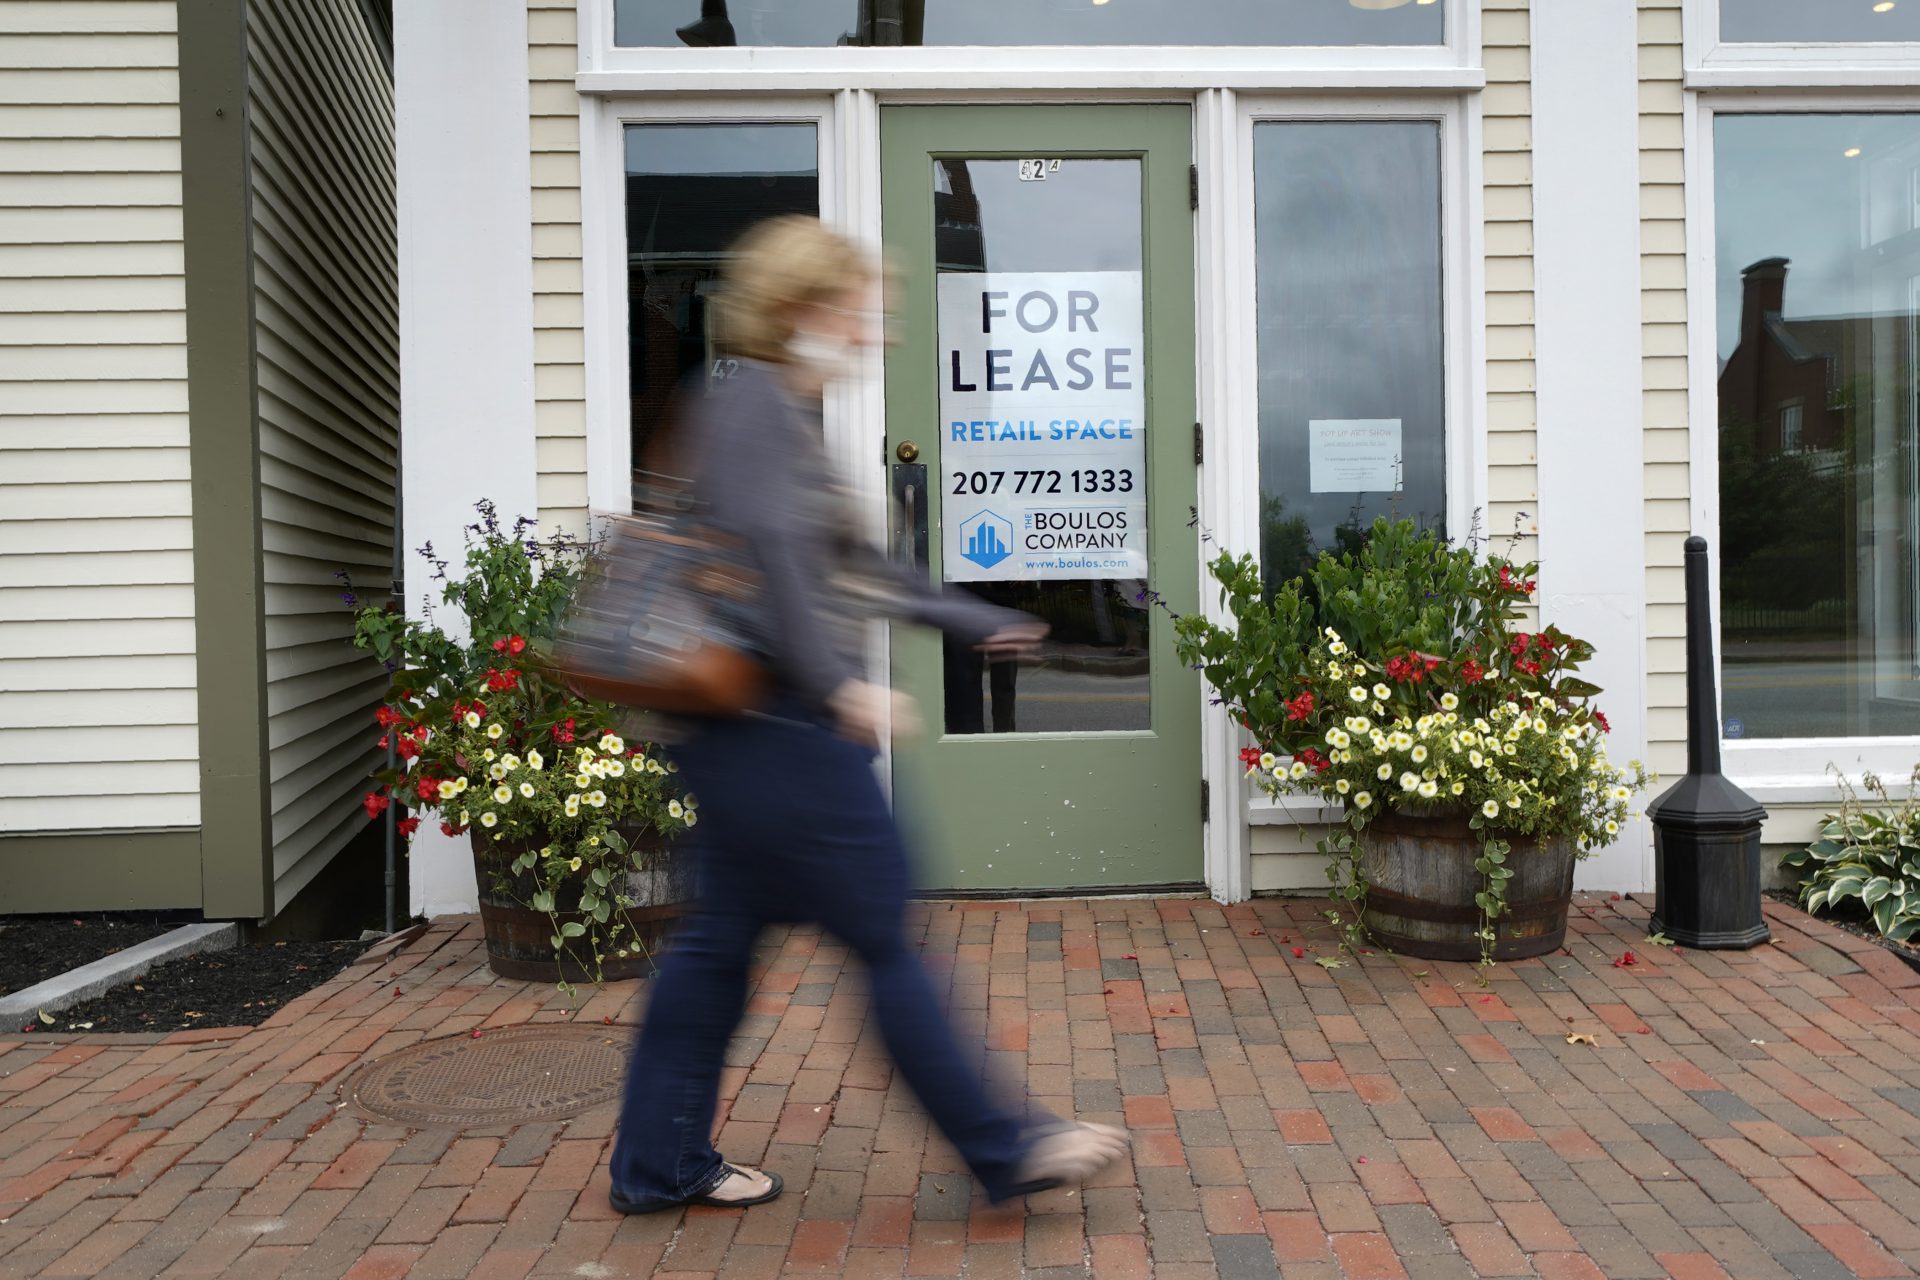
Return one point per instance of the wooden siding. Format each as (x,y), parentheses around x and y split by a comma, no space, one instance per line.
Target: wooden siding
(1666,507)
(97,704)
(559,316)
(326,324)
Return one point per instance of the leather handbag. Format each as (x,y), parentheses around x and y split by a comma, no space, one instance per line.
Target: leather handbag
(667,619)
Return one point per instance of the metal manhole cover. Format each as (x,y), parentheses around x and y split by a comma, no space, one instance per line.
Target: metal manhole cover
(515,1075)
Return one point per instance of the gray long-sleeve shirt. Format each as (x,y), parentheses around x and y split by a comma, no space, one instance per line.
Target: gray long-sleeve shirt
(760,471)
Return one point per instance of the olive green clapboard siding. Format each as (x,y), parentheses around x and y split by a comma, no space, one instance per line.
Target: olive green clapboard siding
(1283,854)
(325,297)
(97,675)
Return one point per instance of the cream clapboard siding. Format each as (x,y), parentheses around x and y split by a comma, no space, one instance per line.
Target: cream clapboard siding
(326,303)
(1663,341)
(559,315)
(1512,479)
(97,705)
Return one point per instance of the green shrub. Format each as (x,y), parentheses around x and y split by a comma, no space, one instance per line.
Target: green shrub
(1869,856)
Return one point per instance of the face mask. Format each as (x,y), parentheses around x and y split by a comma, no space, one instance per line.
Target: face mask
(827,355)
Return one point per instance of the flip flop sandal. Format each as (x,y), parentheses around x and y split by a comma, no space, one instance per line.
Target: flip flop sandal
(1049,1182)
(712,1202)
(622,1205)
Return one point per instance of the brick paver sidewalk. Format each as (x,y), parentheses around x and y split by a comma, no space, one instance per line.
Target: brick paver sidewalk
(1751,1115)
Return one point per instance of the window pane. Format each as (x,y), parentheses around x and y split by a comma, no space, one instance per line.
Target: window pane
(692,189)
(1819,21)
(1817,267)
(1352,365)
(1038,22)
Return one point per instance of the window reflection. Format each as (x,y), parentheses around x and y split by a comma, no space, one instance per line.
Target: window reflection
(692,189)
(706,23)
(1819,21)
(1352,354)
(1817,264)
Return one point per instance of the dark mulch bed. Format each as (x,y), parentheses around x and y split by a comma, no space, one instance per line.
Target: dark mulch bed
(35,948)
(1859,924)
(242,987)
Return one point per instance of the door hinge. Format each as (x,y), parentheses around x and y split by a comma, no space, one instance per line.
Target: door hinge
(1206,800)
(1199,444)
(1193,186)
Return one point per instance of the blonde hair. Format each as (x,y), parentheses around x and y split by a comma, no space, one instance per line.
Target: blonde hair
(779,268)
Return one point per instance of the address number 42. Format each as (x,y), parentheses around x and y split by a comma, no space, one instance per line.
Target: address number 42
(1037,170)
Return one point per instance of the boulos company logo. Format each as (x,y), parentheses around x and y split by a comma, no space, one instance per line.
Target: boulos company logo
(986,538)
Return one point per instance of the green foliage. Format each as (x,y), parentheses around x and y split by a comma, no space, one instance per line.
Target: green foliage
(1867,858)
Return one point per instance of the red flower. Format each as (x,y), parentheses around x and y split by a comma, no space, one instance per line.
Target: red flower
(384,742)
(1601,720)
(448,829)
(406,827)
(1519,644)
(1472,672)
(514,645)
(428,789)
(375,804)
(1527,665)
(478,708)
(1250,757)
(498,680)
(388,717)
(409,748)
(1301,707)
(1314,760)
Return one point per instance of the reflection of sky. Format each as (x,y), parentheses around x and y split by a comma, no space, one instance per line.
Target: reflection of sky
(1059,22)
(1784,188)
(720,149)
(1083,217)
(1797,21)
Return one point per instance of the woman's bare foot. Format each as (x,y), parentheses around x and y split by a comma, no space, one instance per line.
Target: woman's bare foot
(1072,1155)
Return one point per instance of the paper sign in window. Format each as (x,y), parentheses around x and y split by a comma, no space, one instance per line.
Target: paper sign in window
(1354,455)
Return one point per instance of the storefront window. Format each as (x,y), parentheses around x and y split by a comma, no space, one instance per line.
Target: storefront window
(1351,343)
(701,23)
(1817,266)
(1818,21)
(692,189)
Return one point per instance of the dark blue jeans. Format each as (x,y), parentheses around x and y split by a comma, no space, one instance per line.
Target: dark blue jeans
(792,827)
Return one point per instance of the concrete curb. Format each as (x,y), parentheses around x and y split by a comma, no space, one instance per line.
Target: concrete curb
(75,986)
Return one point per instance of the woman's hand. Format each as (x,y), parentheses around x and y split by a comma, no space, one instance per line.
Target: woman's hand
(1015,639)
(863,710)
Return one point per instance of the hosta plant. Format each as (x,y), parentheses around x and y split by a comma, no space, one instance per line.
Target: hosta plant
(1867,859)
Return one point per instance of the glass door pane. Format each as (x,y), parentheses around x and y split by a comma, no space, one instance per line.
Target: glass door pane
(1043,459)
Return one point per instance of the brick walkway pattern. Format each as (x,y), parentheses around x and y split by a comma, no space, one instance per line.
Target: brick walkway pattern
(1750,1115)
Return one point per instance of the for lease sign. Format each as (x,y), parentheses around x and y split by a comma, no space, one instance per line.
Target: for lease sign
(1043,435)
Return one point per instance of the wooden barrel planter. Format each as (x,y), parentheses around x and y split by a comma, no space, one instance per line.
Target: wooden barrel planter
(1421,883)
(520,939)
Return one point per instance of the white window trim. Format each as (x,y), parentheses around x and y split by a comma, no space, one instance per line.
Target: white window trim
(608,68)
(1712,63)
(1230,390)
(1773,770)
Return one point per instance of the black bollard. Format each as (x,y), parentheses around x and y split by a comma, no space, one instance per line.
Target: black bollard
(1706,831)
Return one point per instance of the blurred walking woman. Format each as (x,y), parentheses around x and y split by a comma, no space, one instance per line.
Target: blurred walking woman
(794,825)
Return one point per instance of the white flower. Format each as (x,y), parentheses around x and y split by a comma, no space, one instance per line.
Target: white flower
(1419,754)
(653,766)
(1409,780)
(1279,769)
(1359,724)
(1513,802)
(1381,693)
(1384,772)
(459,786)
(1429,789)
(1457,788)
(692,817)
(535,761)
(497,770)
(502,793)
(598,799)
(1335,671)
(1357,694)
(526,789)
(675,809)
(1266,759)
(487,754)
(1491,809)
(494,731)
(1362,800)
(1539,725)
(1342,785)
(1337,648)
(582,781)
(510,760)
(615,769)
(1298,771)
(1449,701)
(612,745)
(448,791)
(472,719)
(1620,793)
(573,806)
(489,819)
(1475,759)
(1337,738)
(1613,828)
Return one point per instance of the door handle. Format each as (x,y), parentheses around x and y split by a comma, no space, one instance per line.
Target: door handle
(910,514)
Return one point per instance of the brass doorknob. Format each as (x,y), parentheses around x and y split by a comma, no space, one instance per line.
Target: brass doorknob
(907,452)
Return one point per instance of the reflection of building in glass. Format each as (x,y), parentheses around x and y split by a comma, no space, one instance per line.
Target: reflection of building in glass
(1782,383)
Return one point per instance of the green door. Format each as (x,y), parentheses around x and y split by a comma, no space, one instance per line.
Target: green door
(1040,439)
